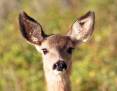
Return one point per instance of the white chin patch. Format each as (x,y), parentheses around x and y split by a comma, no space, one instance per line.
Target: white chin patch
(59,72)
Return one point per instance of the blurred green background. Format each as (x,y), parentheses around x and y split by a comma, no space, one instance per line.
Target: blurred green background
(94,63)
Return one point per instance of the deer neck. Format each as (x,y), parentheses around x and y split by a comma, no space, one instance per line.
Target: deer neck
(57,82)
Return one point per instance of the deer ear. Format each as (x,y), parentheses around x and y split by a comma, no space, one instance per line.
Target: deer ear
(30,29)
(83,28)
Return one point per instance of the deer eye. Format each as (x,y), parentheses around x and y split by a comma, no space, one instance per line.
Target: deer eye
(69,50)
(45,51)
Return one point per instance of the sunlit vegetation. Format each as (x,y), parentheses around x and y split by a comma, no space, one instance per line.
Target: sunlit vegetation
(94,63)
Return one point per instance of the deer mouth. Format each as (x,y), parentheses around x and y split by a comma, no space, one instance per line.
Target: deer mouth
(56,72)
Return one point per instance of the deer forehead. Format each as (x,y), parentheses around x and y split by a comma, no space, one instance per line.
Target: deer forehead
(58,41)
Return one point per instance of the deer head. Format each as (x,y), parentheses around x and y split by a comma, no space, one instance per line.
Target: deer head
(56,49)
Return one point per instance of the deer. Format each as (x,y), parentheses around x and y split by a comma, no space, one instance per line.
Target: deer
(57,49)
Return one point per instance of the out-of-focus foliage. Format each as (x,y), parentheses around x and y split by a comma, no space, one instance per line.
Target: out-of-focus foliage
(94,63)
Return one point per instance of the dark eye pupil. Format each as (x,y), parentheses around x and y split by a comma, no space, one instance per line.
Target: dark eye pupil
(45,51)
(69,50)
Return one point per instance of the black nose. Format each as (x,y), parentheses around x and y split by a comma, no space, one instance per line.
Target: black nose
(60,65)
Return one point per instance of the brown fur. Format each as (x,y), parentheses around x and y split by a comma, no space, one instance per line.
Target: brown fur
(60,41)
(57,47)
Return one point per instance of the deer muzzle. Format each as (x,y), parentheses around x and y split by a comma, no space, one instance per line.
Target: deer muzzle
(60,66)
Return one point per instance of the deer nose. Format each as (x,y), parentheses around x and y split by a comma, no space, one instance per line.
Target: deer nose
(60,65)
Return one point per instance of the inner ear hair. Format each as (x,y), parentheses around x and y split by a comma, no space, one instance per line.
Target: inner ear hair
(83,27)
(30,29)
